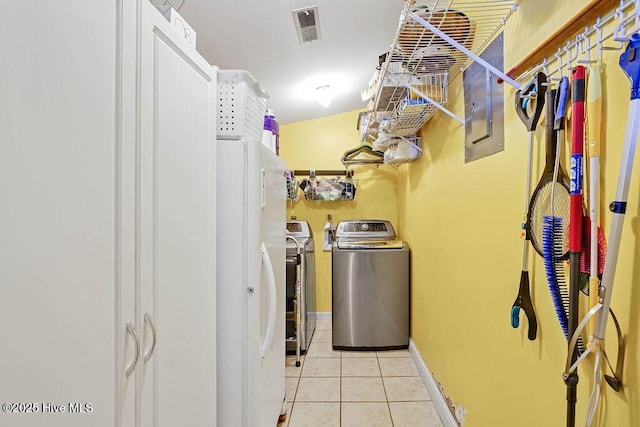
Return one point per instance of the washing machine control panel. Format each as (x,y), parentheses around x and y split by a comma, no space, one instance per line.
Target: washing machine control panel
(365,229)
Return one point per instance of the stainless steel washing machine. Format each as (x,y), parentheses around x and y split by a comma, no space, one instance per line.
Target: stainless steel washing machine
(370,271)
(301,232)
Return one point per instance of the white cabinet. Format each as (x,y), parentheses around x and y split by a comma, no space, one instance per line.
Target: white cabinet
(65,261)
(107,213)
(177,180)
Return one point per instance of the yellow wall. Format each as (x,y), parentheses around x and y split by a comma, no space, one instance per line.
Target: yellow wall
(319,144)
(462,222)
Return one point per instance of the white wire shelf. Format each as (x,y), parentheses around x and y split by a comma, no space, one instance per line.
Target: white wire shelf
(434,42)
(342,185)
(331,190)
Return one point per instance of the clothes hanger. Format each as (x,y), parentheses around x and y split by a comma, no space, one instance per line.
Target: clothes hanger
(361,155)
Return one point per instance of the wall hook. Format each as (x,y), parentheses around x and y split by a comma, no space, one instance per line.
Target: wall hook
(545,70)
(616,32)
(597,27)
(577,43)
(559,63)
(545,67)
(586,47)
(619,34)
(567,52)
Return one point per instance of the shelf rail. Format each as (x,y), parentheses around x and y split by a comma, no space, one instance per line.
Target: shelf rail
(323,172)
(618,23)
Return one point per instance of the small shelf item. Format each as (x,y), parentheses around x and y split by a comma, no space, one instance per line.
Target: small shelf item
(328,189)
(292,186)
(398,149)
(434,42)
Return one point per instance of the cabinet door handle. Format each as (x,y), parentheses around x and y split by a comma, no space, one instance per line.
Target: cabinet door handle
(149,321)
(131,330)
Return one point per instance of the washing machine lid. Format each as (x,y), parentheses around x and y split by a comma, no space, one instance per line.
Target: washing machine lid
(369,244)
(365,229)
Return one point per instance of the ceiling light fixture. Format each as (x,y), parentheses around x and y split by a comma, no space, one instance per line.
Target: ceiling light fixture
(323,95)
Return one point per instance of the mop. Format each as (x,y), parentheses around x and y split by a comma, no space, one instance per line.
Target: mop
(575,221)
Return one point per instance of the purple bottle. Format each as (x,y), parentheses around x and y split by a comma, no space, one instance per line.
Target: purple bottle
(271,125)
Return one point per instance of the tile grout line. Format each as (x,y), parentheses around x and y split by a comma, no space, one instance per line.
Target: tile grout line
(295,394)
(384,389)
(340,387)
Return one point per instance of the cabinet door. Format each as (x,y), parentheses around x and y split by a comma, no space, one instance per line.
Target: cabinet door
(177,252)
(65,255)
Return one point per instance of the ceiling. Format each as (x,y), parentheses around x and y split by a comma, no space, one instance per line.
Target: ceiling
(260,36)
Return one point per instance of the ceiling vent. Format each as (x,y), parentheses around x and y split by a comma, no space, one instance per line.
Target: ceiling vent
(307,23)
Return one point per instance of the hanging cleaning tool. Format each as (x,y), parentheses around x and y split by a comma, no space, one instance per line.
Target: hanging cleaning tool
(630,64)
(578,80)
(550,202)
(562,101)
(529,104)
(596,240)
(594,122)
(597,245)
(594,245)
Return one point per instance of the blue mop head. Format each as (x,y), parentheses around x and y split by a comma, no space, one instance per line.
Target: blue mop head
(552,239)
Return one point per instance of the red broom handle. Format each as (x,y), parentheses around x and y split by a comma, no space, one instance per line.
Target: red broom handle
(578,80)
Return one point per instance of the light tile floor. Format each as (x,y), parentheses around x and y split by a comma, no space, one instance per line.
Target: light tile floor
(355,389)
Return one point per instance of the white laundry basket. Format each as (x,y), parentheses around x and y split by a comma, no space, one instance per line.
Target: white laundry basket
(241,105)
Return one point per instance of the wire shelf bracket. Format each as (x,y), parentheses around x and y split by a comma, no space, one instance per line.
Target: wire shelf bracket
(436,104)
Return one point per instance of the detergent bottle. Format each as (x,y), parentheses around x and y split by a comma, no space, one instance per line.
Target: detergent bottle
(271,133)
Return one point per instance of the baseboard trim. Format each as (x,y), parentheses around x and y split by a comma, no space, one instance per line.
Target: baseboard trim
(432,388)
(323,315)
